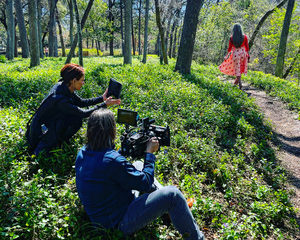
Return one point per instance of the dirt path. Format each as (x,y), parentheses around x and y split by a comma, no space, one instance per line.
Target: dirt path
(287,127)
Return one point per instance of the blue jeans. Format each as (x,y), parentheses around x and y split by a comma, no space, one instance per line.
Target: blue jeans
(149,206)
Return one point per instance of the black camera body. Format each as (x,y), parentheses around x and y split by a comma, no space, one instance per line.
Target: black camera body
(134,140)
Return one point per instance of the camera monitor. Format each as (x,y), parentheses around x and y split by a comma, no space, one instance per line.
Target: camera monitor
(114,88)
(127,117)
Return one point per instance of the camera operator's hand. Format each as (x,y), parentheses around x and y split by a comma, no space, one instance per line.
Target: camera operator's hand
(111,101)
(152,145)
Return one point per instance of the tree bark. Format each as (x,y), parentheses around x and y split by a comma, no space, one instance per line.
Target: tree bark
(132,37)
(79,33)
(127,42)
(10,21)
(22,29)
(140,27)
(83,20)
(161,32)
(111,32)
(52,28)
(283,39)
(121,21)
(146,32)
(71,21)
(34,41)
(261,22)
(187,41)
(63,50)
(39,17)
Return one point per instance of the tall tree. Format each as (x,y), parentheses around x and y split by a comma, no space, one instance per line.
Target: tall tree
(79,33)
(34,42)
(39,19)
(283,39)
(83,20)
(161,32)
(52,29)
(10,21)
(187,41)
(261,22)
(111,31)
(63,51)
(146,32)
(121,27)
(127,39)
(22,29)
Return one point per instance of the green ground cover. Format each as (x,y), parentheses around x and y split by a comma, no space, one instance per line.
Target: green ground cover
(220,153)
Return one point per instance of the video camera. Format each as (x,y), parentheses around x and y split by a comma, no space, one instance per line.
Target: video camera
(134,143)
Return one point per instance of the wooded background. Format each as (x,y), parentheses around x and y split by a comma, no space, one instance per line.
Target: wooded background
(187,30)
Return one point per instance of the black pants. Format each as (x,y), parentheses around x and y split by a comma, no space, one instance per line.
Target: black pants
(58,131)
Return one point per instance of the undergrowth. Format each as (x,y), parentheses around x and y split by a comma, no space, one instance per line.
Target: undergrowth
(220,153)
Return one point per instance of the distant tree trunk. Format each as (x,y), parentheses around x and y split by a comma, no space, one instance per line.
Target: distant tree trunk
(22,29)
(71,21)
(34,41)
(52,28)
(146,32)
(262,20)
(121,21)
(16,45)
(127,42)
(39,17)
(132,37)
(111,32)
(63,50)
(161,32)
(283,39)
(10,21)
(140,27)
(291,65)
(175,42)
(83,20)
(79,33)
(187,41)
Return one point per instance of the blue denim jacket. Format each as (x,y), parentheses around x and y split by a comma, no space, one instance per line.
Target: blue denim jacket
(105,180)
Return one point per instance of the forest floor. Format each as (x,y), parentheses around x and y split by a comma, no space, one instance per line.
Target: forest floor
(287,128)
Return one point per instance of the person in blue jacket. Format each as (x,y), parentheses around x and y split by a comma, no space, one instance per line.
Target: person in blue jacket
(60,114)
(106,183)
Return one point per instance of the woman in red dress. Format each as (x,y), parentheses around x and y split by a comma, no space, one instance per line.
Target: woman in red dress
(238,48)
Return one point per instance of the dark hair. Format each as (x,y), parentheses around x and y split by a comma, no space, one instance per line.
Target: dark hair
(71,71)
(237,35)
(101,129)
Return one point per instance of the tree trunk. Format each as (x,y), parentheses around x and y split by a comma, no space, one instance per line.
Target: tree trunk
(34,41)
(39,17)
(140,27)
(10,21)
(146,32)
(121,21)
(161,32)
(79,33)
(63,50)
(262,20)
(71,21)
(187,41)
(132,32)
(127,42)
(22,29)
(52,27)
(174,44)
(83,20)
(283,39)
(111,32)
(291,65)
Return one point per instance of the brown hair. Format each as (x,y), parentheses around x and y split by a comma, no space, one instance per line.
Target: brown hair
(71,71)
(101,129)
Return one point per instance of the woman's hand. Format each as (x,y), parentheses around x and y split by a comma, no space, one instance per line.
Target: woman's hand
(152,145)
(105,95)
(111,101)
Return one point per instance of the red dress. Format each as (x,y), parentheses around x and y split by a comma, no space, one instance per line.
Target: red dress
(236,63)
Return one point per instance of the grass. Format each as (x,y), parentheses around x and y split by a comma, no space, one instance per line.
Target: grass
(220,153)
